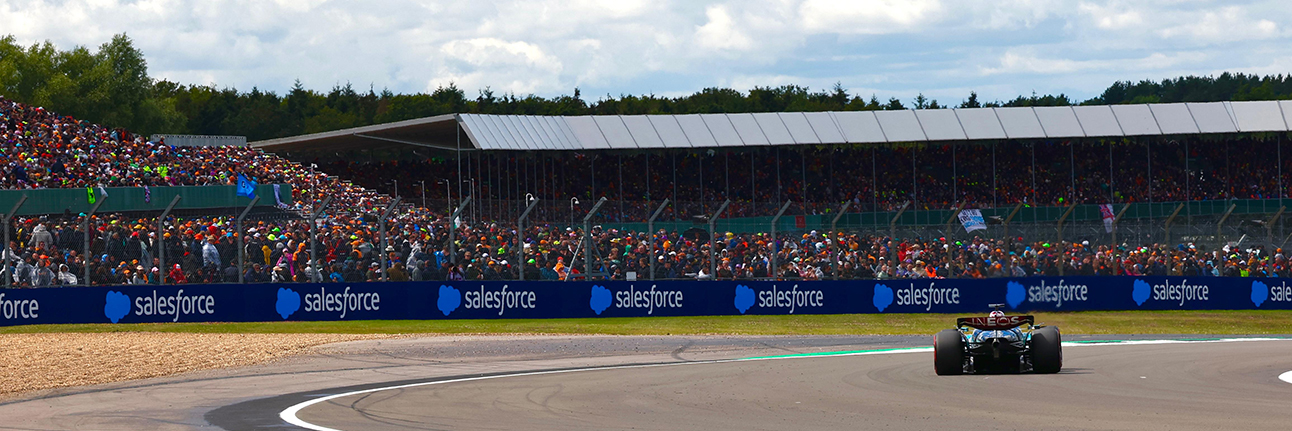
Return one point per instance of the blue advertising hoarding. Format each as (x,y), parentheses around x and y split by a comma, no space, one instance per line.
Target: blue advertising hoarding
(500,300)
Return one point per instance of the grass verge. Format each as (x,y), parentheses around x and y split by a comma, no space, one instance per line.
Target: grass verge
(1095,322)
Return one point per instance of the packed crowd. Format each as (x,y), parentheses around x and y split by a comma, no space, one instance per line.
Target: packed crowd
(49,251)
(39,149)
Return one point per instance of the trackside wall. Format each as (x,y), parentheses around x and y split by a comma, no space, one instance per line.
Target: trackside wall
(500,300)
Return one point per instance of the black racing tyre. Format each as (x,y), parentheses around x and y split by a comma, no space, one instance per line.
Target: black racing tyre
(948,353)
(1047,352)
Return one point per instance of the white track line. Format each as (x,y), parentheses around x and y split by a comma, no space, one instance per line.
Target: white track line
(289,415)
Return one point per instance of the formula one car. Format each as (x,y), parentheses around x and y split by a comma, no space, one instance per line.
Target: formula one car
(997,344)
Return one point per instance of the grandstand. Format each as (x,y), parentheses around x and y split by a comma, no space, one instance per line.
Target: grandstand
(1198,188)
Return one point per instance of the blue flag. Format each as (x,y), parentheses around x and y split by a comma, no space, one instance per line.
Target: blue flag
(246,187)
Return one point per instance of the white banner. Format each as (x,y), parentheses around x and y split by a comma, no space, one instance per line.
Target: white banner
(1107,211)
(972,220)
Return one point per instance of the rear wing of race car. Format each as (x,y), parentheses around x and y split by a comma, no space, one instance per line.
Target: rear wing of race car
(997,323)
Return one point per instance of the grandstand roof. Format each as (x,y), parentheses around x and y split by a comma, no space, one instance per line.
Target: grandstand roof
(532,133)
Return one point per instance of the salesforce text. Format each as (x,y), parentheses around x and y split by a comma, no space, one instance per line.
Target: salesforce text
(928,296)
(1057,294)
(344,302)
(176,306)
(501,300)
(1181,292)
(793,298)
(648,299)
(18,309)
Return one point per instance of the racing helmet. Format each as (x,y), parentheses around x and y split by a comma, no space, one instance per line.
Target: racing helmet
(996,313)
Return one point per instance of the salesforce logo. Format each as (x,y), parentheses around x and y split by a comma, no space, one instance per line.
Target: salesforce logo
(450,299)
(1177,294)
(288,302)
(923,296)
(602,298)
(1016,293)
(342,303)
(1277,293)
(883,297)
(14,309)
(791,300)
(744,298)
(117,305)
(484,299)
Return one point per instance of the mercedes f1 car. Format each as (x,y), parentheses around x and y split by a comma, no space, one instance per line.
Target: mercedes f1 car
(997,344)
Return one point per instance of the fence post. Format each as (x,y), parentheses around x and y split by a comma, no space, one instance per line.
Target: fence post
(650,230)
(453,230)
(242,242)
(1060,228)
(382,225)
(1117,263)
(8,271)
(834,224)
(1221,223)
(713,240)
(161,249)
(314,221)
(892,225)
(955,214)
(520,237)
(85,227)
(1169,221)
(1269,225)
(587,238)
(771,270)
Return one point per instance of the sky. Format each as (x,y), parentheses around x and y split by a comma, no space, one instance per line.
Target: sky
(888,48)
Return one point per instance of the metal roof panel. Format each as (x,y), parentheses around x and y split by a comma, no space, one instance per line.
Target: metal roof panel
(773,128)
(1174,118)
(859,126)
(586,131)
(750,132)
(900,126)
(1212,118)
(980,123)
(1263,116)
(1059,121)
(1136,120)
(823,125)
(940,124)
(670,132)
(1020,123)
(642,130)
(724,133)
(1098,121)
(697,130)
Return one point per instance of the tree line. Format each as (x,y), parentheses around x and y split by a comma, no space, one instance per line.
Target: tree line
(111,86)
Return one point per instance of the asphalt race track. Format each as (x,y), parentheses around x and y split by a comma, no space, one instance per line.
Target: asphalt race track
(1175,386)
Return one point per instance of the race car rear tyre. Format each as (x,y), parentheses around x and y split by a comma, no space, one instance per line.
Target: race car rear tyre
(948,353)
(1047,352)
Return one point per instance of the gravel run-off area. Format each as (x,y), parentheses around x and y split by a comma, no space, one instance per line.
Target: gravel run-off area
(31,362)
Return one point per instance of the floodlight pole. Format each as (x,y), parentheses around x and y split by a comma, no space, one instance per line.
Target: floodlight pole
(382,225)
(8,272)
(453,229)
(161,251)
(1220,224)
(713,240)
(314,216)
(834,225)
(587,236)
(1171,220)
(650,230)
(85,227)
(771,270)
(520,237)
(242,240)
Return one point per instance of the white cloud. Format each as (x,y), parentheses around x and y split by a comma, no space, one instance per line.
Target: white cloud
(893,48)
(867,16)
